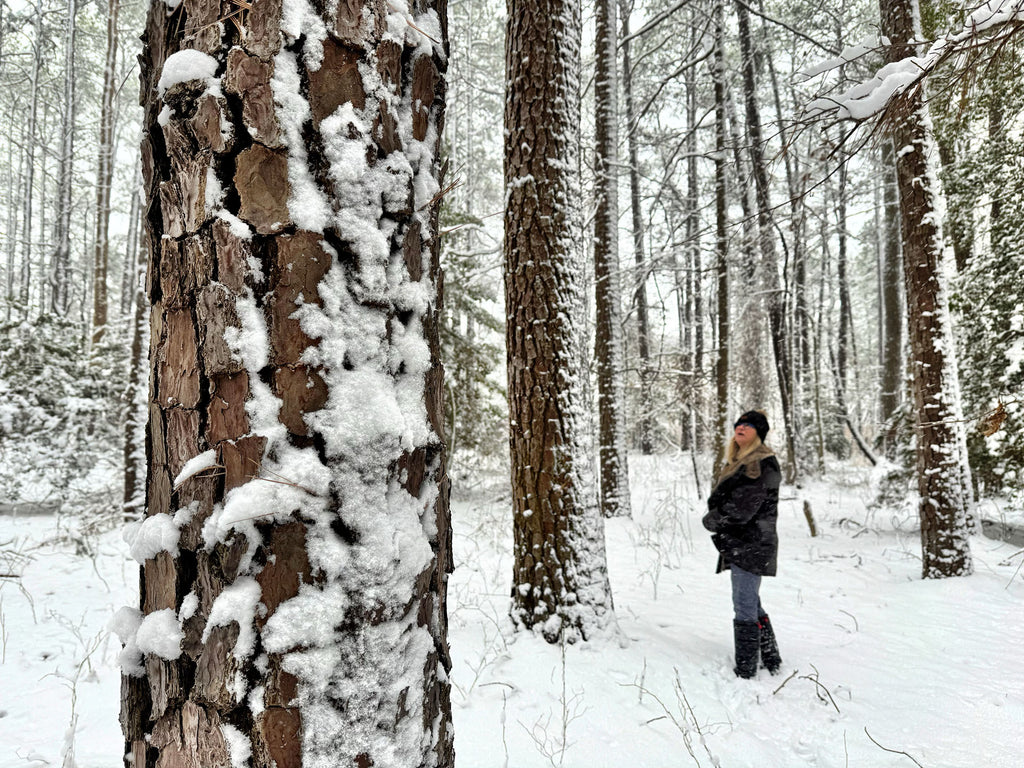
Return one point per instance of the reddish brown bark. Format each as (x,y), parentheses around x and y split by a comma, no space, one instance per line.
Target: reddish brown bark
(213,263)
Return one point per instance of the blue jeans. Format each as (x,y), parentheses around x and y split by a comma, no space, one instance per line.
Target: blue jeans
(746,603)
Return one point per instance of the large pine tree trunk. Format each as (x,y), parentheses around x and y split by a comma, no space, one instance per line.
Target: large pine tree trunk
(294,609)
(941,460)
(559,582)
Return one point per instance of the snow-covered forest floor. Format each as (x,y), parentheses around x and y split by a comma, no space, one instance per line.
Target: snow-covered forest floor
(880,668)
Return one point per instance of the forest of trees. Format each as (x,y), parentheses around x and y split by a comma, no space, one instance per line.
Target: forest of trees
(300,214)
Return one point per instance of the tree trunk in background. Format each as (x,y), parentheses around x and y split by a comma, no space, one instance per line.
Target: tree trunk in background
(135,396)
(794,278)
(28,191)
(301,618)
(14,183)
(608,350)
(133,251)
(695,269)
(59,279)
(559,580)
(645,418)
(751,383)
(104,179)
(944,497)
(721,241)
(893,302)
(768,272)
(844,340)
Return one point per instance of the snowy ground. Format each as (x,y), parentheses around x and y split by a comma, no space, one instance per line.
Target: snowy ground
(871,653)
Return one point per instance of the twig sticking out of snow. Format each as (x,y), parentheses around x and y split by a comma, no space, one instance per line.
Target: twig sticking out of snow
(819,687)
(894,751)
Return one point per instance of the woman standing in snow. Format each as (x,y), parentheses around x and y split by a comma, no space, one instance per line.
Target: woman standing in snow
(743,508)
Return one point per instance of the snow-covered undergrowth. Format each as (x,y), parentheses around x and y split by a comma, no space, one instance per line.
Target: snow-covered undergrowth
(871,653)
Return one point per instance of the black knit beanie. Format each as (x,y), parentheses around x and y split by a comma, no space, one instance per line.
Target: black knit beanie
(757,420)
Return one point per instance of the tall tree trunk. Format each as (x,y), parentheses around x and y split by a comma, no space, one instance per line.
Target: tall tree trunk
(14,182)
(694,423)
(892,301)
(721,238)
(559,579)
(133,449)
(608,352)
(129,290)
(751,383)
(28,192)
(59,279)
(104,178)
(794,277)
(769,268)
(292,198)
(645,418)
(941,461)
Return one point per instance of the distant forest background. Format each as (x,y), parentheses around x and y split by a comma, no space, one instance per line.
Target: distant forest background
(73,376)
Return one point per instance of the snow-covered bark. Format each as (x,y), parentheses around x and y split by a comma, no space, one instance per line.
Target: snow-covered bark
(293,606)
(560,582)
(941,457)
(608,350)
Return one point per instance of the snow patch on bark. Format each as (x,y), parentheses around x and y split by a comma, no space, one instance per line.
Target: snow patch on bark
(148,538)
(238,603)
(160,634)
(183,66)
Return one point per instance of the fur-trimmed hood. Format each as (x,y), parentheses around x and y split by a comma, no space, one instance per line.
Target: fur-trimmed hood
(749,462)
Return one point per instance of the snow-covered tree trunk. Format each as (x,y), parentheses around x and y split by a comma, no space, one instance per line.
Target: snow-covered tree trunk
(608,349)
(296,542)
(941,460)
(559,583)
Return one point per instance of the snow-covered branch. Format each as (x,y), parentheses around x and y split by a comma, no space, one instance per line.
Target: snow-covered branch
(967,50)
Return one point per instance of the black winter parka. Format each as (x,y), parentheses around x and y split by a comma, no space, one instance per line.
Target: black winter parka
(742,512)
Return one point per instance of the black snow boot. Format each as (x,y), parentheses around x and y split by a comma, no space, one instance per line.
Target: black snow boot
(769,647)
(747,635)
